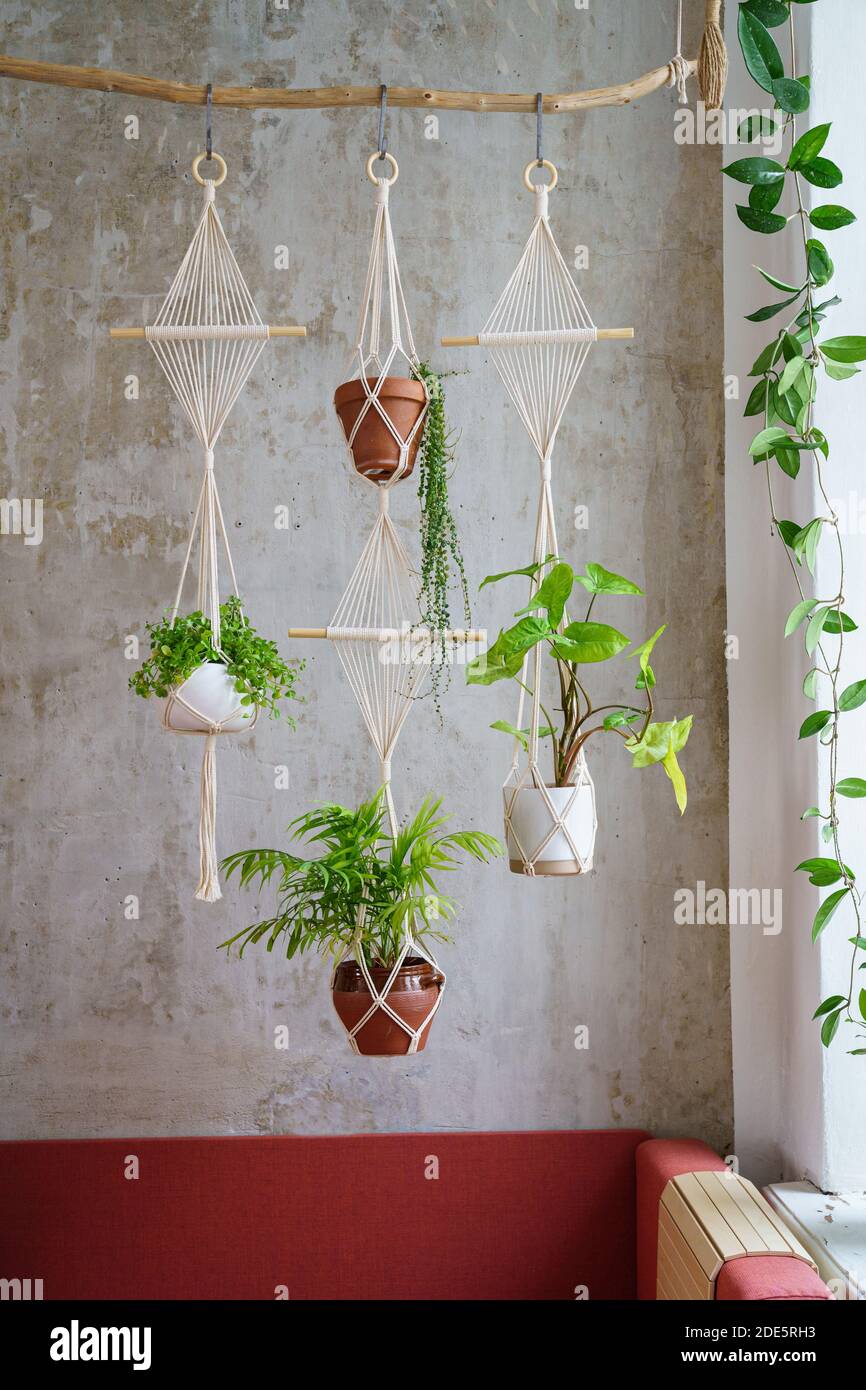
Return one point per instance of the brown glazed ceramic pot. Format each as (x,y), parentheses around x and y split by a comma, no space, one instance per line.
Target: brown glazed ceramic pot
(375,451)
(412,995)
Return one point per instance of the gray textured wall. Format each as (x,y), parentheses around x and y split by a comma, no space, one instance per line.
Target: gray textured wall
(118,1027)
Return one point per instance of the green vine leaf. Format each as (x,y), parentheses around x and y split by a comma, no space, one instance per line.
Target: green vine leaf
(852,786)
(822,173)
(820,265)
(833,623)
(767,223)
(791,95)
(810,683)
(853,696)
(759,50)
(769,12)
(825,912)
(756,127)
(797,614)
(757,169)
(809,146)
(830,217)
(814,723)
(822,871)
(845,349)
(770,310)
(831,1024)
(814,630)
(832,1003)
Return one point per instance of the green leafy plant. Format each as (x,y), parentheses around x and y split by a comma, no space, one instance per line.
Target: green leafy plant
(569,647)
(441,556)
(784,396)
(394,877)
(260,674)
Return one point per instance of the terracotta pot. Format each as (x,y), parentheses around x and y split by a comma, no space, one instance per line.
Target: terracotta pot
(412,996)
(375,451)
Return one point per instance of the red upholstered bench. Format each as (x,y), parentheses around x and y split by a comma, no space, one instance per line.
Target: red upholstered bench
(534,1215)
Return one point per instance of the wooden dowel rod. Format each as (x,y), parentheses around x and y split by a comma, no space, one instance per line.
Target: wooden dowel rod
(317,98)
(390,634)
(603,334)
(284,331)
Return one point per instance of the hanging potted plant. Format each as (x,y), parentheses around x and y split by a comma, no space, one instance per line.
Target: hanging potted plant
(381,418)
(551,820)
(205,687)
(370,901)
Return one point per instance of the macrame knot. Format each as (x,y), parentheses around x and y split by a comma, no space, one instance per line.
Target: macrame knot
(546,468)
(208,460)
(541,209)
(678,69)
(386,770)
(382,192)
(209,191)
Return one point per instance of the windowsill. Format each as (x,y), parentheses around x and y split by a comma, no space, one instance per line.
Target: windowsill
(831,1227)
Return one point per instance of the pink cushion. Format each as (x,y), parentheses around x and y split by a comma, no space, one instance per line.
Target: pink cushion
(759,1277)
(509,1216)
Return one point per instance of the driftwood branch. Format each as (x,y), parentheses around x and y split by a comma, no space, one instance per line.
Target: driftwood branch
(317,98)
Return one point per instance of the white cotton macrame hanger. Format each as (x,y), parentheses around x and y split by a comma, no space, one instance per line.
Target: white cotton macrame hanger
(376,628)
(386,662)
(207,337)
(680,68)
(539,335)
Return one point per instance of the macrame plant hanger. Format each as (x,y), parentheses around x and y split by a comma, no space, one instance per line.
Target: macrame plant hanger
(207,337)
(383,648)
(539,336)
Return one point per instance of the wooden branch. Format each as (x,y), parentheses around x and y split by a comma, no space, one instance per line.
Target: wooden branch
(130,335)
(410,635)
(315,98)
(603,335)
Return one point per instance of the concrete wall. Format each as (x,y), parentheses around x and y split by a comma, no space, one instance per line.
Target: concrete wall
(113,1026)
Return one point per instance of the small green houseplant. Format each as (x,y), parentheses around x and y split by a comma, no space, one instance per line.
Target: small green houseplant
(259,677)
(568,648)
(393,877)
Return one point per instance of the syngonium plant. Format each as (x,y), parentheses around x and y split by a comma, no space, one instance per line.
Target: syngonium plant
(569,647)
(786,374)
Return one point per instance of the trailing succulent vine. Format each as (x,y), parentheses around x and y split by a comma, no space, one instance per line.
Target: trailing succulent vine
(785,398)
(441,556)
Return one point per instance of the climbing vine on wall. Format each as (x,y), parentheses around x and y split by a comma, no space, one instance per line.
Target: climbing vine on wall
(784,398)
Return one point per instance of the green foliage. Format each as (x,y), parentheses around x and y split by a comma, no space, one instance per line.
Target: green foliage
(260,674)
(569,646)
(441,556)
(362,864)
(785,396)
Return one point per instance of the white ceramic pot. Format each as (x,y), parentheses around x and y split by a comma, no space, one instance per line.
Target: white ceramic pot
(213,697)
(531,822)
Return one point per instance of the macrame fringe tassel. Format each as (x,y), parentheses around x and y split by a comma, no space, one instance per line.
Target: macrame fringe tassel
(713,59)
(208,883)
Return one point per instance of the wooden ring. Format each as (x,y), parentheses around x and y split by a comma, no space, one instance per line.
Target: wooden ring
(217,159)
(545,164)
(390,160)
